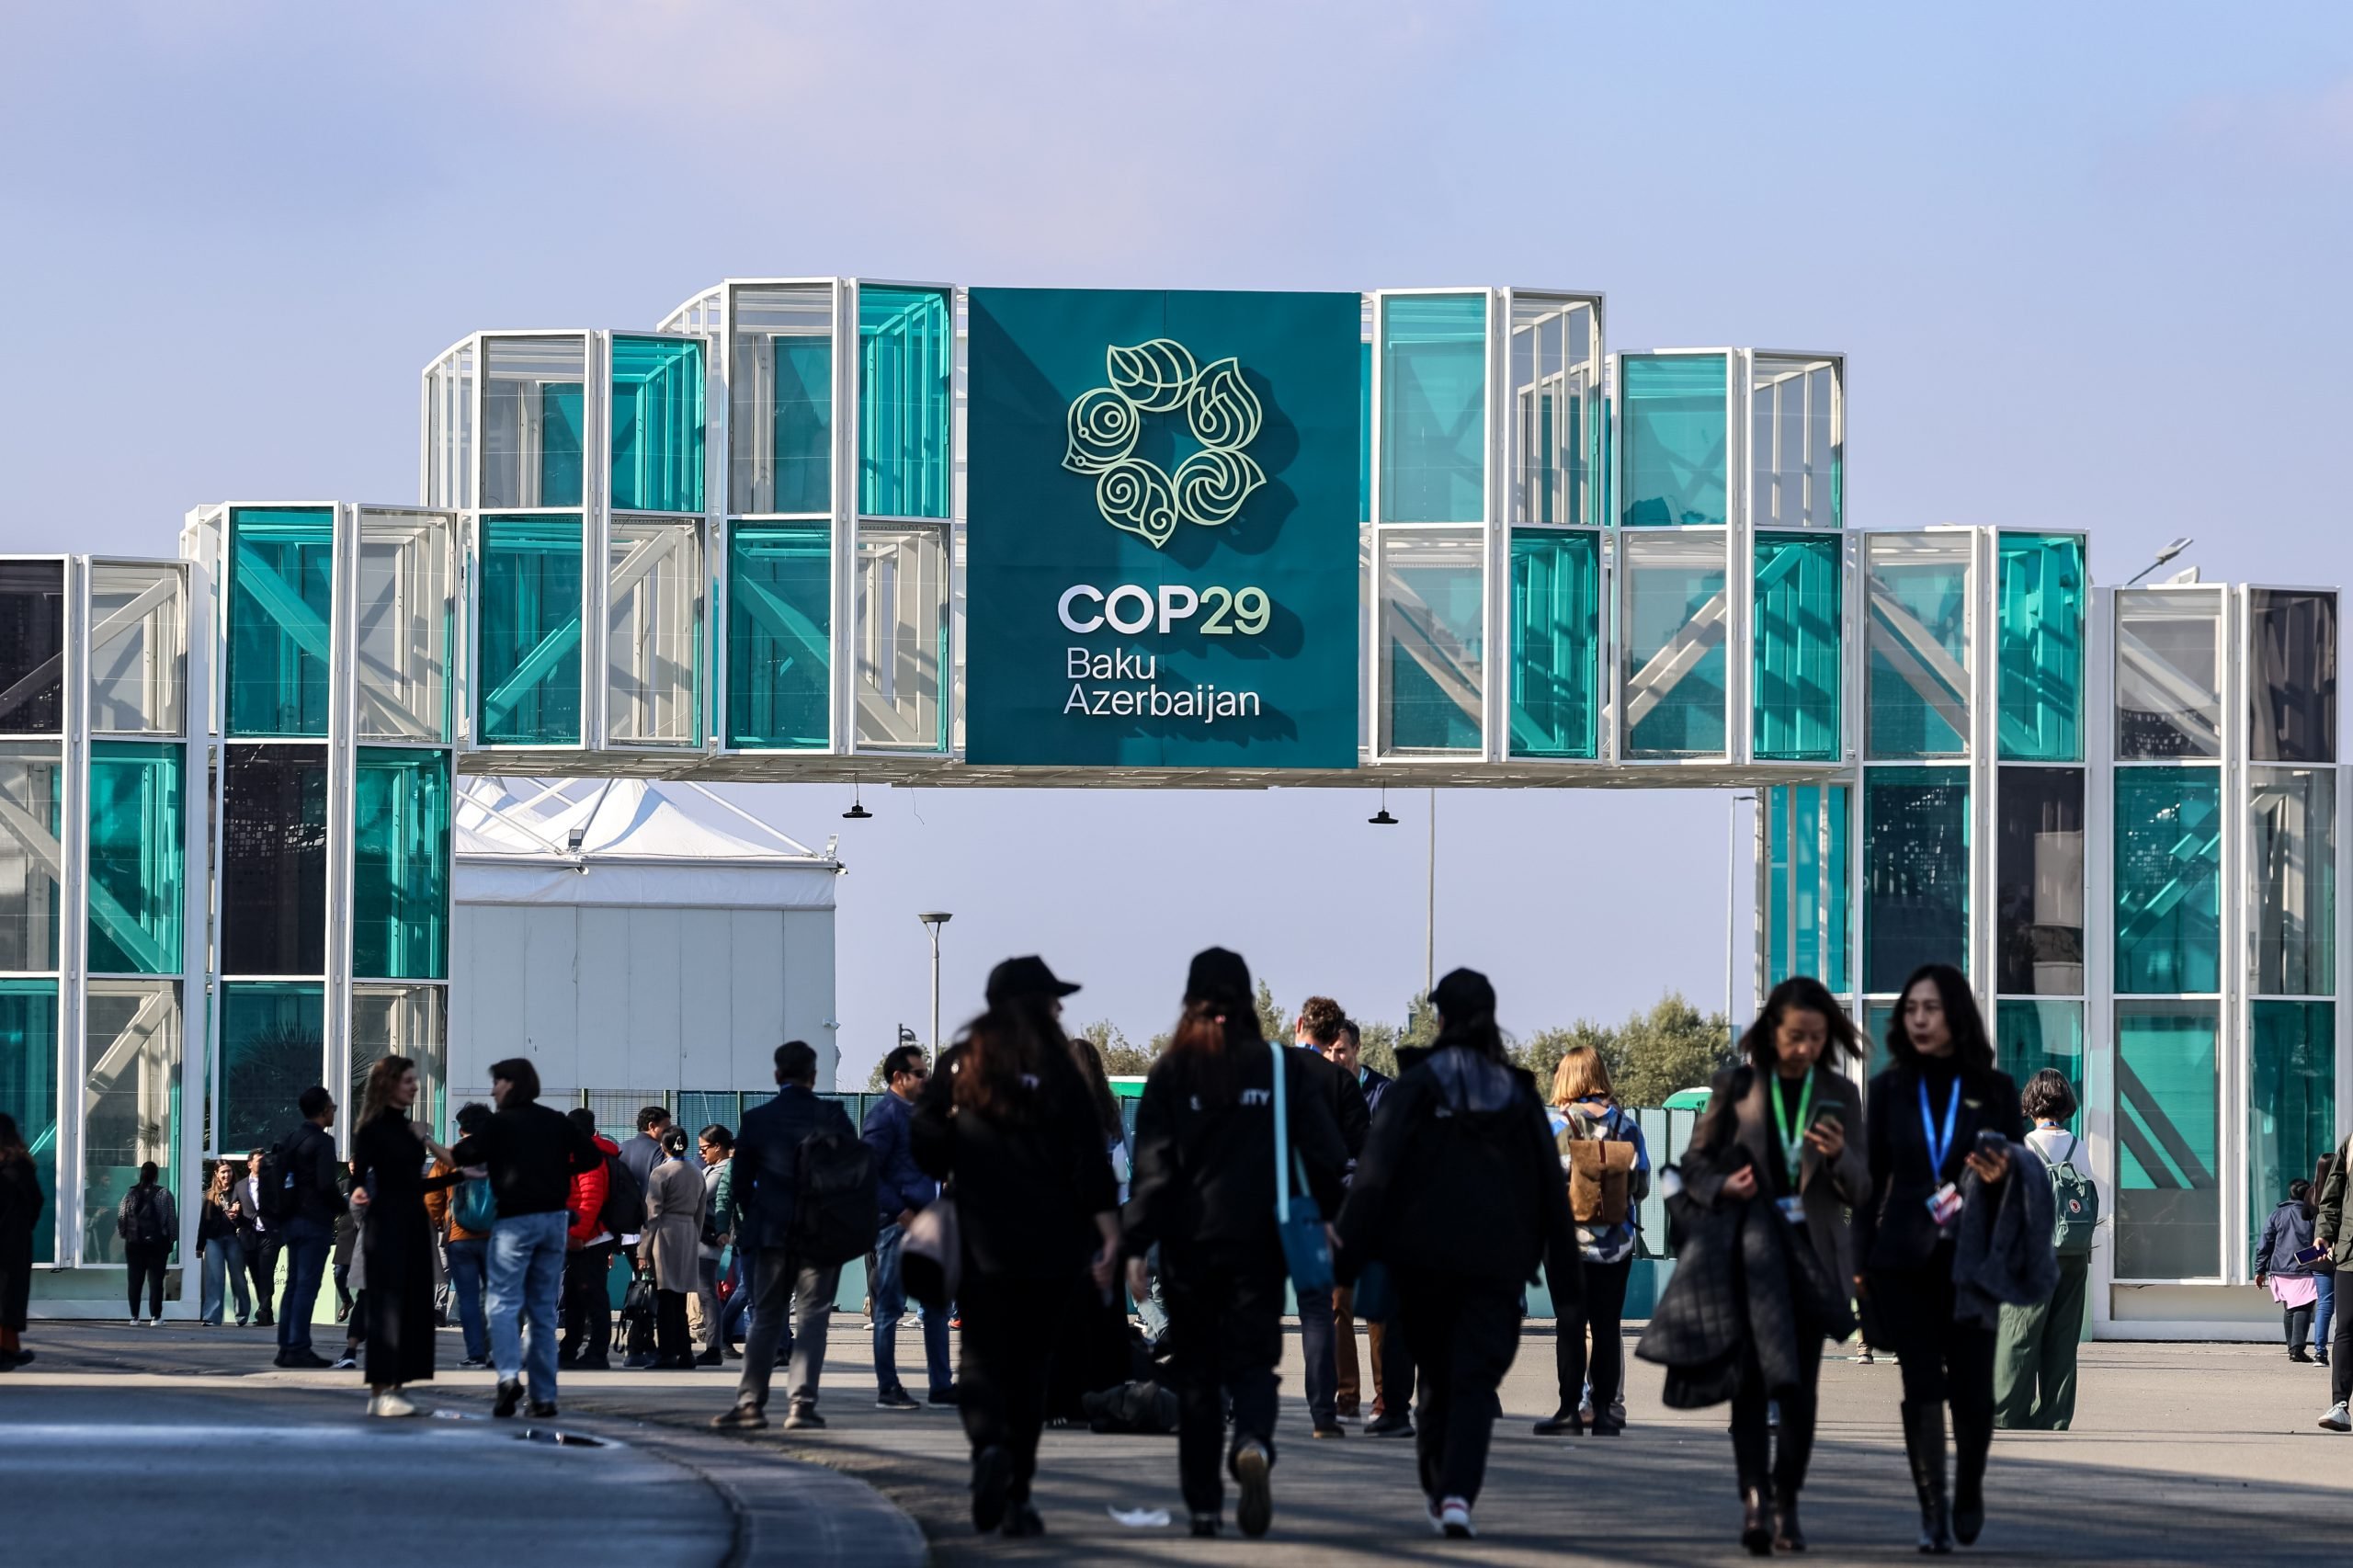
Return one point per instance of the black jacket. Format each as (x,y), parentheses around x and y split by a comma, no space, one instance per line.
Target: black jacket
(1745,1281)
(1339,1089)
(2286,1233)
(310,1159)
(1205,1162)
(1027,1189)
(532,1150)
(766,1170)
(1894,1229)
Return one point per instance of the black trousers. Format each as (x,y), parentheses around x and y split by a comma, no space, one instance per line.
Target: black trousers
(1752,1437)
(2340,1340)
(1465,1333)
(1944,1362)
(1011,1328)
(261,1259)
(676,1346)
(1397,1372)
(1225,1336)
(1602,1309)
(587,1306)
(147,1260)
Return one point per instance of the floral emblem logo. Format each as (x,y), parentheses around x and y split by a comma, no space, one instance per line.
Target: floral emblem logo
(1134,494)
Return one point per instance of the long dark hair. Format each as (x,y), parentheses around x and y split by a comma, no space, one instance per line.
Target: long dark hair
(1806,994)
(1017,1038)
(1971,1050)
(382,1079)
(1206,1034)
(1088,1060)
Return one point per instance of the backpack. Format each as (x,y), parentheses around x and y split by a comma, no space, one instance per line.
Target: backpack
(833,1215)
(274,1187)
(1601,1171)
(624,1210)
(2074,1203)
(143,1223)
(476,1209)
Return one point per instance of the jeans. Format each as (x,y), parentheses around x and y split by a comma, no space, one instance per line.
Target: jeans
(713,1341)
(782,1290)
(147,1260)
(526,1272)
(1319,1356)
(2324,1308)
(469,1268)
(735,1317)
(306,1245)
(890,1292)
(1154,1308)
(224,1265)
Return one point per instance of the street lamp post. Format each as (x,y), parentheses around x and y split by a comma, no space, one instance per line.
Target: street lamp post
(1732,876)
(932,922)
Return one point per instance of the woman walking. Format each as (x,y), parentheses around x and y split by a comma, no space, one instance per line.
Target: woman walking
(389,1155)
(2282,1267)
(671,1246)
(1592,1298)
(225,1254)
(1458,1193)
(20,1206)
(2034,1358)
(1204,1193)
(1006,1118)
(1940,1114)
(149,1224)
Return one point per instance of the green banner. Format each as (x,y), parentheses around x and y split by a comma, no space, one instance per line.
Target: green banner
(1162,501)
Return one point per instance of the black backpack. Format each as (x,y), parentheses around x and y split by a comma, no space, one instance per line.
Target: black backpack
(143,1223)
(834,1217)
(624,1210)
(274,1192)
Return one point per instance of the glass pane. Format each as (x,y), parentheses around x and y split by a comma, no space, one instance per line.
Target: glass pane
(780,624)
(131,1102)
(1364,431)
(406,620)
(1919,645)
(2040,705)
(273,1046)
(1673,638)
(905,358)
(1796,448)
(1556,643)
(138,887)
(400,864)
(404,1020)
(1434,408)
(529,638)
(2031,1036)
(138,649)
(31,857)
(781,426)
(1797,659)
(901,637)
(274,863)
(654,640)
(1671,425)
(282,603)
(2168,1124)
(2169,688)
(1805,914)
(2292,1099)
(657,425)
(28,1089)
(2168,879)
(1555,375)
(2292,880)
(32,647)
(532,420)
(2038,882)
(2293,683)
(1915,872)
(450,429)
(1433,640)
(1878,1015)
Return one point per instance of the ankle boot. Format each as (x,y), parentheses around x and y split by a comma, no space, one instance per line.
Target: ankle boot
(1923,1444)
(1756,1518)
(1786,1537)
(1972,1436)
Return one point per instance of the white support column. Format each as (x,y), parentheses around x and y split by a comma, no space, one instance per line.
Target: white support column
(74,906)
(844,674)
(2098,1088)
(342,758)
(196,903)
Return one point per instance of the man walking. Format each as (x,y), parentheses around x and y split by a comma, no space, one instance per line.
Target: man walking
(765,1171)
(901,1191)
(259,1238)
(641,1155)
(1318,1027)
(311,1204)
(1346,1051)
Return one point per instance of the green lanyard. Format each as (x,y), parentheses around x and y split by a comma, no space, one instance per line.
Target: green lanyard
(1793,1149)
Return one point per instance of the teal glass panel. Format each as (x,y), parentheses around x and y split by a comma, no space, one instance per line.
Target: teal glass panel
(400,907)
(2169,1132)
(1797,658)
(1672,429)
(28,1057)
(1806,923)
(530,636)
(1364,432)
(534,396)
(1434,408)
(906,354)
(1918,639)
(2291,877)
(563,454)
(779,626)
(273,1046)
(1556,643)
(2031,1036)
(131,1102)
(2168,879)
(804,423)
(138,857)
(1433,642)
(2040,705)
(282,603)
(657,425)
(1878,1017)
(1915,872)
(2292,1099)
(31,855)
(1674,640)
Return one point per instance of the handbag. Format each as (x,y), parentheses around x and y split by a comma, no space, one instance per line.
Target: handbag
(637,1302)
(931,1254)
(1307,1252)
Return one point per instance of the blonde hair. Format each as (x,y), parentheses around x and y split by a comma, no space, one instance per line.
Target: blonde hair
(1581,1077)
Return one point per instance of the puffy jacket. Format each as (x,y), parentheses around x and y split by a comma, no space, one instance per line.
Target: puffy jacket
(2286,1233)
(587,1200)
(898,1182)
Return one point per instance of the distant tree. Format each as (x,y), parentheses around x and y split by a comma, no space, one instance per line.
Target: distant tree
(1673,1046)
(1421,1022)
(1541,1053)
(1380,1047)
(1120,1059)
(1273,1022)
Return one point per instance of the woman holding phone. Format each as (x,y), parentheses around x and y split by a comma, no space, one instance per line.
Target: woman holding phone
(1775,1129)
(1940,1113)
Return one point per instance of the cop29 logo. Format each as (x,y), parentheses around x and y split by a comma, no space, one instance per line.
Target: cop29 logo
(1134,494)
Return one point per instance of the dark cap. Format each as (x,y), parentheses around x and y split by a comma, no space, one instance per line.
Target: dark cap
(1218,974)
(1025,977)
(1464,993)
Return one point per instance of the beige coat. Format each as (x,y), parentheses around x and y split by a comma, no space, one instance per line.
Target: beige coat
(672,1244)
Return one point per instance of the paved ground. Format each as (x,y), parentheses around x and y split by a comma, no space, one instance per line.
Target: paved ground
(2181,1454)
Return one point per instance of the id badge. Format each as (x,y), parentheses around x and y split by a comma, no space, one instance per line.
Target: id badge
(1944,1204)
(1792,1208)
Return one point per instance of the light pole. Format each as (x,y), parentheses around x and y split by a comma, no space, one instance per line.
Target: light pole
(933,921)
(1732,863)
(1429,930)
(2167,554)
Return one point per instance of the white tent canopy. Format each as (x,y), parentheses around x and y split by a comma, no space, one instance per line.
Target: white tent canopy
(627,841)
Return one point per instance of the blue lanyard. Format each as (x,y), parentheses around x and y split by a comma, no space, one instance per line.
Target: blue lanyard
(1938,1147)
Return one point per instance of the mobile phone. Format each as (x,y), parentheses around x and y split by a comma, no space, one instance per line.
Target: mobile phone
(1990,1142)
(1830,1115)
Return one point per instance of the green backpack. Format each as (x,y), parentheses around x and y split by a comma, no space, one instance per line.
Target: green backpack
(2075,1205)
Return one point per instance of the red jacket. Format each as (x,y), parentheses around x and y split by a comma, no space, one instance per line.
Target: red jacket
(587,1200)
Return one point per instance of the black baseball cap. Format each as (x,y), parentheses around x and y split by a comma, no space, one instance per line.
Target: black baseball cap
(1026,977)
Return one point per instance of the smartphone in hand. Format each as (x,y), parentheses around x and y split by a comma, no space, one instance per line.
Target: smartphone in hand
(1990,1142)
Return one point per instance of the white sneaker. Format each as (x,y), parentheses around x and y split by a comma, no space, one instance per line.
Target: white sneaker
(2338,1420)
(1454,1519)
(389,1404)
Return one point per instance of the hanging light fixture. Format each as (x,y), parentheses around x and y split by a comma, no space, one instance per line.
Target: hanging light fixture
(1382,817)
(857,811)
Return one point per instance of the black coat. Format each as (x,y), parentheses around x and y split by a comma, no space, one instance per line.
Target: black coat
(766,1170)
(533,1151)
(1895,1231)
(1027,1184)
(20,1207)
(396,1238)
(1341,1095)
(1744,1279)
(310,1158)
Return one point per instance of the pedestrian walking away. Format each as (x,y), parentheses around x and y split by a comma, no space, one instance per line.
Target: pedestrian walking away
(225,1254)
(148,1224)
(390,1150)
(670,1248)
(1008,1122)
(472,1210)
(902,1190)
(2035,1348)
(1316,1030)
(1346,1051)
(21,1201)
(714,1145)
(1460,1196)
(298,1192)
(1607,1165)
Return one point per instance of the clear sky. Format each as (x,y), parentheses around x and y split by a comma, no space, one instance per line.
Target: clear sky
(2088,262)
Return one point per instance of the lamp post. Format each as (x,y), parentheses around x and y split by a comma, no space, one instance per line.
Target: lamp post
(1731,874)
(2167,554)
(932,922)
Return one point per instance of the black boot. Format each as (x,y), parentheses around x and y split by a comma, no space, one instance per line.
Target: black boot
(1924,1445)
(1786,1537)
(1972,1436)
(1756,1518)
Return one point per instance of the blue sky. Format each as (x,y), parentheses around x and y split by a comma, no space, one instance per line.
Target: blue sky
(2089,263)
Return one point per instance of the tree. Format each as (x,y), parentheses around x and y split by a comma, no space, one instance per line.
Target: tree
(1380,1047)
(1421,1022)
(1543,1052)
(1274,1025)
(1120,1059)
(1673,1046)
